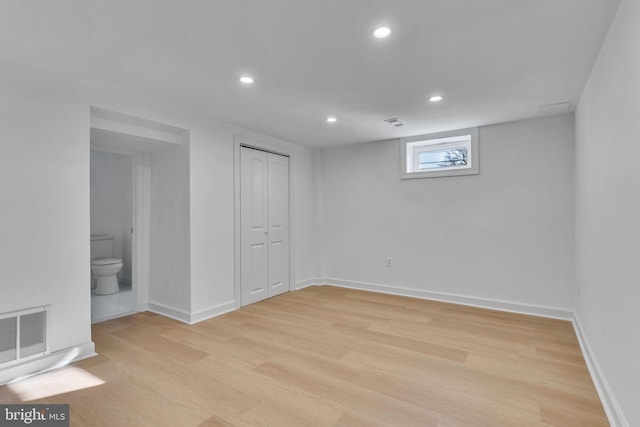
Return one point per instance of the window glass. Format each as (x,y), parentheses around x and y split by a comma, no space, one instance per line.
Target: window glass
(444,154)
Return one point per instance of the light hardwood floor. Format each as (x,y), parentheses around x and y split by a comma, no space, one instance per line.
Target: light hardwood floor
(327,356)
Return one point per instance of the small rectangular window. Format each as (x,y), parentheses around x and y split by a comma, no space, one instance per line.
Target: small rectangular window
(441,154)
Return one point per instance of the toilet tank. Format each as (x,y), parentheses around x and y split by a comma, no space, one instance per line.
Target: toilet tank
(101,246)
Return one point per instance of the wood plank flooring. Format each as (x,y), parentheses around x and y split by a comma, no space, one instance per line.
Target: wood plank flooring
(326,356)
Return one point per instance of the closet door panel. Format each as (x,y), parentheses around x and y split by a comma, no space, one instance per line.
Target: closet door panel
(278,221)
(253,225)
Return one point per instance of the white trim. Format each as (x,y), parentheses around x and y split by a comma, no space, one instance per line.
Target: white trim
(46,363)
(190,318)
(237,291)
(306,283)
(114,121)
(490,303)
(609,402)
(171,312)
(140,240)
(213,311)
(240,141)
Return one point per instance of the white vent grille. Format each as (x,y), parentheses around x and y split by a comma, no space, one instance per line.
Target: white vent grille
(395,122)
(551,109)
(23,335)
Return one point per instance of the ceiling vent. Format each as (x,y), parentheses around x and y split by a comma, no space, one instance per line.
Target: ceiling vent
(395,122)
(553,109)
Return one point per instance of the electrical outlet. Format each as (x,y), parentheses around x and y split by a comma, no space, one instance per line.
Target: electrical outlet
(389,262)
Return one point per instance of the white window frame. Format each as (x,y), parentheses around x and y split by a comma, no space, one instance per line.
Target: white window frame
(411,147)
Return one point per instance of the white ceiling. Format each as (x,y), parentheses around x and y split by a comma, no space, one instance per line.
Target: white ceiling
(492,60)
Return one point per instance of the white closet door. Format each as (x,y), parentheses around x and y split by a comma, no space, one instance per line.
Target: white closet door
(264,224)
(278,220)
(253,225)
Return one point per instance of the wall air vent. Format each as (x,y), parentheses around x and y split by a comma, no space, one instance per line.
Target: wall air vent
(24,335)
(395,122)
(553,109)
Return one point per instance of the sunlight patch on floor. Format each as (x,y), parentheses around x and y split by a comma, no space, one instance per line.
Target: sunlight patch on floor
(60,381)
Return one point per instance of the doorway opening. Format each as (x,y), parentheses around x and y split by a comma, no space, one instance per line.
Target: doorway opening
(139,194)
(111,234)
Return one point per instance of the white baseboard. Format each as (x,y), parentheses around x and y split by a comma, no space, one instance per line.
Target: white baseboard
(207,313)
(306,283)
(46,363)
(142,307)
(494,304)
(609,402)
(172,312)
(214,311)
(190,318)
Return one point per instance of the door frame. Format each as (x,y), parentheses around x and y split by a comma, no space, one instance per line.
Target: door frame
(238,142)
(142,136)
(141,229)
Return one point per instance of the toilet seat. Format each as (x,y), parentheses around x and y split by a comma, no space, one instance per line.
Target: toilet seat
(105,262)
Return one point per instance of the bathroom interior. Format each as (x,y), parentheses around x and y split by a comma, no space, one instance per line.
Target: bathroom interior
(111,235)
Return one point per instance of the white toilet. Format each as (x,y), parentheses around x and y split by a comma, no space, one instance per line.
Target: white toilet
(103,266)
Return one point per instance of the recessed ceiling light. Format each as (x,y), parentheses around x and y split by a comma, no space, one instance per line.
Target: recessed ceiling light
(246,80)
(382,32)
(435,98)
(331,120)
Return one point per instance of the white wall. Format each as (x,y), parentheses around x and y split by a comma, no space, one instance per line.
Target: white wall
(608,209)
(212,213)
(44,208)
(504,234)
(306,217)
(112,203)
(169,257)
